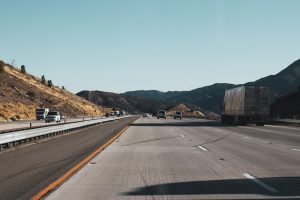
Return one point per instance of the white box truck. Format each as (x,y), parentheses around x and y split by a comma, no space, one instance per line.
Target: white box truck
(246,104)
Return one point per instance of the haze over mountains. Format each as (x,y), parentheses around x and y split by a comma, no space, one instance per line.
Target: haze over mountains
(211,97)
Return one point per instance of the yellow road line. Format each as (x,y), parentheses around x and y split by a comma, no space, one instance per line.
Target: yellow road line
(76,168)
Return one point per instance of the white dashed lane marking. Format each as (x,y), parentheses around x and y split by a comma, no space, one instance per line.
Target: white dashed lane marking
(262,184)
(202,148)
(296,149)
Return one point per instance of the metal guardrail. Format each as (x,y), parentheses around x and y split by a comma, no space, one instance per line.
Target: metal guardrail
(11,138)
(32,125)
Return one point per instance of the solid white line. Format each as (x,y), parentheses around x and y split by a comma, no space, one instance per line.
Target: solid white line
(262,184)
(285,127)
(182,136)
(296,149)
(201,147)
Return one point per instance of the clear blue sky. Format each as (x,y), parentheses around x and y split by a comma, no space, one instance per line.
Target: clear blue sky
(155,44)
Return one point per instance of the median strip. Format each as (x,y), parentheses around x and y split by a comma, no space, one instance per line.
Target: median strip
(76,168)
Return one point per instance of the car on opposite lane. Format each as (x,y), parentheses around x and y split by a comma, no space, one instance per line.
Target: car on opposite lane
(53,116)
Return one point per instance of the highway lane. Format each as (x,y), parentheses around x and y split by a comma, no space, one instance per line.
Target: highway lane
(38,123)
(192,159)
(26,170)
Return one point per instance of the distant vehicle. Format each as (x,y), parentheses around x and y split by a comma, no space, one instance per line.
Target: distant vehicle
(122,113)
(162,114)
(107,114)
(52,116)
(112,114)
(146,115)
(117,113)
(41,113)
(178,115)
(246,104)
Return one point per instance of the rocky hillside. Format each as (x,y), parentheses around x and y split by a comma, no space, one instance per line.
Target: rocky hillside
(142,105)
(211,97)
(186,111)
(128,103)
(154,94)
(287,106)
(208,98)
(22,93)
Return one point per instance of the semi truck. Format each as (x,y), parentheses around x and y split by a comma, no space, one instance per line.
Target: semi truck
(246,104)
(41,113)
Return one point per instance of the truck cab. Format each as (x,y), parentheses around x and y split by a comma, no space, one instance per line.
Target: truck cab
(41,113)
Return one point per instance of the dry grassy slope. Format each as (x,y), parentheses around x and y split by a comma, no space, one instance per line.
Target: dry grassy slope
(186,111)
(21,93)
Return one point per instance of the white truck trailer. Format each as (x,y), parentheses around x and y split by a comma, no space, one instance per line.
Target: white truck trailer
(246,104)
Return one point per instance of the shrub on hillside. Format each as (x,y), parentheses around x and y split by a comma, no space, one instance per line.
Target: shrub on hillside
(23,69)
(31,95)
(1,66)
(50,84)
(43,80)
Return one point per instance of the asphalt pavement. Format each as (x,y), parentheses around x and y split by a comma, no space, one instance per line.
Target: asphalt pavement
(26,170)
(192,159)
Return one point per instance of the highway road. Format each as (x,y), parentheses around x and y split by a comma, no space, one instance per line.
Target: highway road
(26,170)
(192,159)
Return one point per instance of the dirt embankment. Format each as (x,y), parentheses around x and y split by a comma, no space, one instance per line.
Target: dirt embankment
(191,113)
(21,94)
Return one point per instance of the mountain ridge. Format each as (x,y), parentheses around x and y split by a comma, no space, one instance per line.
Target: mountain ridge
(211,97)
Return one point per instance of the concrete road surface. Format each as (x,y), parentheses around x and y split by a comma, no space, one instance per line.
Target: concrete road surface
(192,159)
(25,171)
